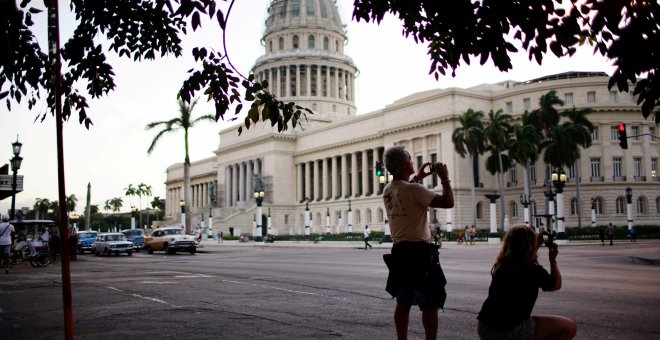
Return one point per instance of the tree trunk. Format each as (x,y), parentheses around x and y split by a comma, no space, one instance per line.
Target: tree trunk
(577,192)
(501,180)
(475,177)
(186,194)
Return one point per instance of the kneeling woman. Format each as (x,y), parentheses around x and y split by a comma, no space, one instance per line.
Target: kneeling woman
(516,279)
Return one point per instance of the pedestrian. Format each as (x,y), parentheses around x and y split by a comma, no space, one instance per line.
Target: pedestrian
(473,234)
(633,234)
(610,233)
(601,234)
(219,236)
(367,236)
(466,234)
(6,230)
(516,278)
(459,238)
(437,234)
(415,275)
(54,243)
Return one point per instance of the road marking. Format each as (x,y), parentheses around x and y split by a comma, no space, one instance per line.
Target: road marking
(284,289)
(157,282)
(192,276)
(144,297)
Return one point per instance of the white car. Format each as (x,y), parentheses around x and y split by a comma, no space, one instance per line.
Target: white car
(112,243)
(170,240)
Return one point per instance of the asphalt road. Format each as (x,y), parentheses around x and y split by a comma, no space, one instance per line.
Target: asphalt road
(311,292)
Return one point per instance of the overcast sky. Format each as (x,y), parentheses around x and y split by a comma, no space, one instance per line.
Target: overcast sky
(113,153)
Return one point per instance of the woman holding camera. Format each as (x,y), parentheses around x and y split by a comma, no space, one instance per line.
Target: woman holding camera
(516,279)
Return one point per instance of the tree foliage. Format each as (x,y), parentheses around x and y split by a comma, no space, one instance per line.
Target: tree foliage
(626,32)
(134,29)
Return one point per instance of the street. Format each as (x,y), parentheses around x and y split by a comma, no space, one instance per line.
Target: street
(312,292)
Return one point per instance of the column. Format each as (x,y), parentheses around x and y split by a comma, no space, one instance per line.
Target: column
(333,175)
(250,178)
(297,80)
(344,175)
(227,186)
(299,182)
(278,81)
(425,158)
(318,176)
(319,90)
(287,83)
(258,167)
(308,79)
(438,153)
(365,173)
(336,82)
(234,181)
(354,174)
(492,238)
(308,186)
(241,182)
(325,179)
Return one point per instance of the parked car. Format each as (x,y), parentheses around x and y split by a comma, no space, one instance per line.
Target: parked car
(112,243)
(136,236)
(170,240)
(85,240)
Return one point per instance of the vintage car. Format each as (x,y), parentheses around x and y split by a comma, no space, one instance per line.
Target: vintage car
(170,240)
(85,240)
(112,243)
(136,236)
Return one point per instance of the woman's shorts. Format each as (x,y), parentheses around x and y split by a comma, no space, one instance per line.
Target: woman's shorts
(525,330)
(4,249)
(415,297)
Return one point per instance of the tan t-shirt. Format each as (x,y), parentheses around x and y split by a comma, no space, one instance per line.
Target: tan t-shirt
(406,205)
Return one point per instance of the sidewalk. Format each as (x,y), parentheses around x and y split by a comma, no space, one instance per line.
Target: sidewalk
(210,245)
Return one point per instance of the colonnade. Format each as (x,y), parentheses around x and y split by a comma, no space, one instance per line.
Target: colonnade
(239,180)
(309,80)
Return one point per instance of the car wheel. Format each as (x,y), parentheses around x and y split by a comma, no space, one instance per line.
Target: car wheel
(149,250)
(130,253)
(107,252)
(193,251)
(96,253)
(166,249)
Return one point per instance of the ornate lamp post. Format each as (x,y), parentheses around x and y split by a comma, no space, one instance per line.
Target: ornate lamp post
(559,181)
(182,204)
(350,220)
(133,212)
(259,195)
(593,212)
(269,226)
(307,218)
(629,206)
(525,200)
(15,165)
(327,221)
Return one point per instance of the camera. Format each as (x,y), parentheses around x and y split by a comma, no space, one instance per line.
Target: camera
(548,239)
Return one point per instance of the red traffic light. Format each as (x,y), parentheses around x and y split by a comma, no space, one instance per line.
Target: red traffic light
(621,127)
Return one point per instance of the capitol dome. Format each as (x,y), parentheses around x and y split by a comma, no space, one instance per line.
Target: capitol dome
(304,58)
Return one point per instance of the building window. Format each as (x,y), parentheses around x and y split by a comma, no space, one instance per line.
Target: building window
(620,205)
(574,206)
(616,164)
(654,167)
(286,219)
(514,209)
(634,131)
(310,41)
(598,204)
(532,173)
(594,134)
(612,97)
(509,107)
(641,205)
(572,171)
(280,43)
(326,43)
(513,176)
(568,98)
(614,133)
(270,46)
(324,11)
(310,7)
(295,41)
(336,46)
(657,205)
(527,104)
(595,167)
(480,212)
(652,133)
(637,165)
(295,8)
(591,97)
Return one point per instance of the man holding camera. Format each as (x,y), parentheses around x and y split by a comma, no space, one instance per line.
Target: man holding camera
(416,277)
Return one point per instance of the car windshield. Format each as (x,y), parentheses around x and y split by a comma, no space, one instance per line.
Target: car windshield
(173,231)
(86,235)
(115,238)
(133,232)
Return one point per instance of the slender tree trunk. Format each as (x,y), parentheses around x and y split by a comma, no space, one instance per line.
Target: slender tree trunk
(501,180)
(475,177)
(577,192)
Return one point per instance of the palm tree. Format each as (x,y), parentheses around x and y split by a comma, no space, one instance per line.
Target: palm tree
(185,122)
(524,147)
(580,128)
(107,206)
(54,206)
(41,205)
(143,190)
(158,203)
(117,203)
(129,191)
(71,202)
(497,132)
(469,139)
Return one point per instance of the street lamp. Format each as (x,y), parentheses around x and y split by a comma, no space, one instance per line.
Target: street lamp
(133,212)
(559,181)
(182,204)
(525,200)
(15,165)
(629,200)
(350,220)
(327,221)
(259,195)
(307,218)
(593,212)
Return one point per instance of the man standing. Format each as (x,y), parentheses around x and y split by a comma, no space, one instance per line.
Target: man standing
(367,237)
(610,233)
(415,277)
(6,230)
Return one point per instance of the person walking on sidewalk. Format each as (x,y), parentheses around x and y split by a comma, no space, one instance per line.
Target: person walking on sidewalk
(415,275)
(610,233)
(367,237)
(6,229)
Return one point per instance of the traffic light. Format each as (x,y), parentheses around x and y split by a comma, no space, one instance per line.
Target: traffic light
(379,168)
(623,138)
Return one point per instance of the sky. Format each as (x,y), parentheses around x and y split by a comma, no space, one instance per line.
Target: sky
(113,153)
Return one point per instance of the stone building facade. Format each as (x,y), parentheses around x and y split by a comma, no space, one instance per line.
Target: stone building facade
(328,165)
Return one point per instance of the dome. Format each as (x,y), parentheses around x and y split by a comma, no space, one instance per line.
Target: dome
(286,14)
